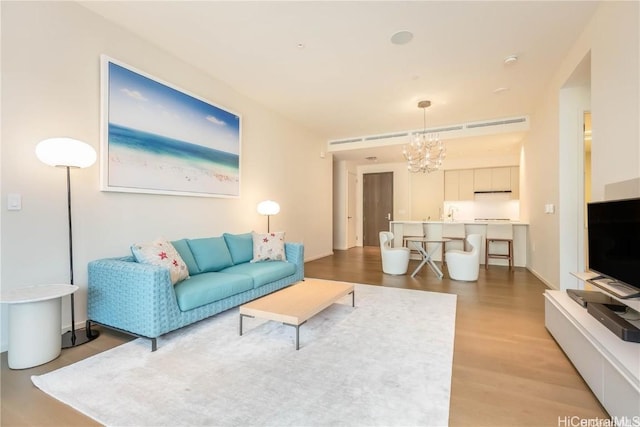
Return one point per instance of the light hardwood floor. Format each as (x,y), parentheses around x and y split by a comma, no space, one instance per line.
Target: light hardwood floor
(507,369)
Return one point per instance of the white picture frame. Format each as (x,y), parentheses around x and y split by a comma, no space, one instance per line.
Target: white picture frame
(159,139)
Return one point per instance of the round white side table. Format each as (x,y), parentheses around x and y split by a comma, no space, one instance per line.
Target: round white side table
(35,323)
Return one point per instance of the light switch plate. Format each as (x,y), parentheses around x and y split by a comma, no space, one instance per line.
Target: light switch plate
(14,202)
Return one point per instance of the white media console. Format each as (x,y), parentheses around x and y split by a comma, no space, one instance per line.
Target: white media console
(609,365)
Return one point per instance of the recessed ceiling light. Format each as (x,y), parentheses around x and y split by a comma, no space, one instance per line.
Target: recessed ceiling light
(402,37)
(509,60)
(300,45)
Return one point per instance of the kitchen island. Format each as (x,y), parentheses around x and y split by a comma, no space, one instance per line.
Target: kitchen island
(434,229)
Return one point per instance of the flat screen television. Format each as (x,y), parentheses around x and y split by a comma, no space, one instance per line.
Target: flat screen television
(614,245)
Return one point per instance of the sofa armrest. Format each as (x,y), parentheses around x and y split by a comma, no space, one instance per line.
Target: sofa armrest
(295,254)
(135,297)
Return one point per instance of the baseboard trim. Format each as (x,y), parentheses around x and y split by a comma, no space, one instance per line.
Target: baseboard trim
(313,258)
(542,279)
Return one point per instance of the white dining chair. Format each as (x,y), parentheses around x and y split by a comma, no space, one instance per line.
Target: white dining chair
(455,232)
(394,260)
(465,265)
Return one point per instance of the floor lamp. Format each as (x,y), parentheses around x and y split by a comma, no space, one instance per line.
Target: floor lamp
(268,208)
(69,153)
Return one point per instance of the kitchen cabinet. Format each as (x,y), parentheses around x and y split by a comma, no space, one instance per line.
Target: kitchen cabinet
(427,194)
(451,185)
(492,179)
(515,182)
(482,179)
(501,179)
(458,185)
(465,186)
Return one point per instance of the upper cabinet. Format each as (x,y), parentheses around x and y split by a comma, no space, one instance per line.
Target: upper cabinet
(492,179)
(458,184)
(427,195)
(465,188)
(482,179)
(515,182)
(451,184)
(464,183)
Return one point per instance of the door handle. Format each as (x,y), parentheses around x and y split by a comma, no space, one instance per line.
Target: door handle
(389,216)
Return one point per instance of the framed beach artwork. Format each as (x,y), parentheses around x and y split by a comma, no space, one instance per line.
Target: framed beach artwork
(159,139)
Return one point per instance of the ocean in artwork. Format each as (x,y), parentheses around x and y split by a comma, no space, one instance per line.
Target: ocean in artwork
(145,161)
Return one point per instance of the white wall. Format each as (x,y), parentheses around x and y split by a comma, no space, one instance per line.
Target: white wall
(611,38)
(341,171)
(340,194)
(50,87)
(615,95)
(574,102)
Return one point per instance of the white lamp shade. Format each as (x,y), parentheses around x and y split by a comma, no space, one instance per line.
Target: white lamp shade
(268,207)
(65,152)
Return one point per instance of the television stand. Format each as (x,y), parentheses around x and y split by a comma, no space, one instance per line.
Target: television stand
(609,365)
(619,289)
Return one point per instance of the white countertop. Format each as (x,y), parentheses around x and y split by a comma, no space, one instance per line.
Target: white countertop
(462,221)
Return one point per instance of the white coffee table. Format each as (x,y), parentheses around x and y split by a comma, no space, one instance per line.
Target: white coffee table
(35,325)
(298,303)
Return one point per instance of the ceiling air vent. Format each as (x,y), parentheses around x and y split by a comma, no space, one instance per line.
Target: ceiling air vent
(389,135)
(497,123)
(461,130)
(345,141)
(438,130)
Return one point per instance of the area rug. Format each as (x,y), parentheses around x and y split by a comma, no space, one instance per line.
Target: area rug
(386,362)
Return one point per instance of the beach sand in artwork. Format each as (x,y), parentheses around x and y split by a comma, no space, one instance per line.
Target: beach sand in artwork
(148,171)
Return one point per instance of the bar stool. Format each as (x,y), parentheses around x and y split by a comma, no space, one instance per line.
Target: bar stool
(499,233)
(455,232)
(410,230)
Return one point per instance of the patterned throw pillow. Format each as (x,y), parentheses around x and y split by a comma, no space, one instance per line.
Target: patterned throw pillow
(268,247)
(163,254)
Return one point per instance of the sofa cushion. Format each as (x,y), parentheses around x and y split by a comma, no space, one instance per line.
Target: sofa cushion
(240,246)
(268,247)
(182,246)
(163,254)
(206,288)
(210,253)
(263,272)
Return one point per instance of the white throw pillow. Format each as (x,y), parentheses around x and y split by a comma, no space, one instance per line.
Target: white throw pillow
(268,247)
(161,253)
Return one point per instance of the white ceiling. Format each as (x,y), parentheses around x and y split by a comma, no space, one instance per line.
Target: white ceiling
(348,79)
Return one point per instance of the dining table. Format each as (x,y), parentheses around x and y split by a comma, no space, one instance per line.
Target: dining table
(419,244)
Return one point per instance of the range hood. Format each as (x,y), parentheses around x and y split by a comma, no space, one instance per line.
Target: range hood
(492,191)
(492,195)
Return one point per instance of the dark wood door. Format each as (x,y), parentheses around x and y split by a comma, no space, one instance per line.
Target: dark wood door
(377,211)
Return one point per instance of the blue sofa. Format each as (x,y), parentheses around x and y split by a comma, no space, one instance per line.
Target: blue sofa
(140,299)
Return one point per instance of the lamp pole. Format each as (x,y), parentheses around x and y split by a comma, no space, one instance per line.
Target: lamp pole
(70,339)
(73,309)
(69,153)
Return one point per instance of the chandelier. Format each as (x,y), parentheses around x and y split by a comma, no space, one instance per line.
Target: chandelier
(425,151)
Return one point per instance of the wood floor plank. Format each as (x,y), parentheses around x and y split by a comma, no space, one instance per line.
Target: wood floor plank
(507,369)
